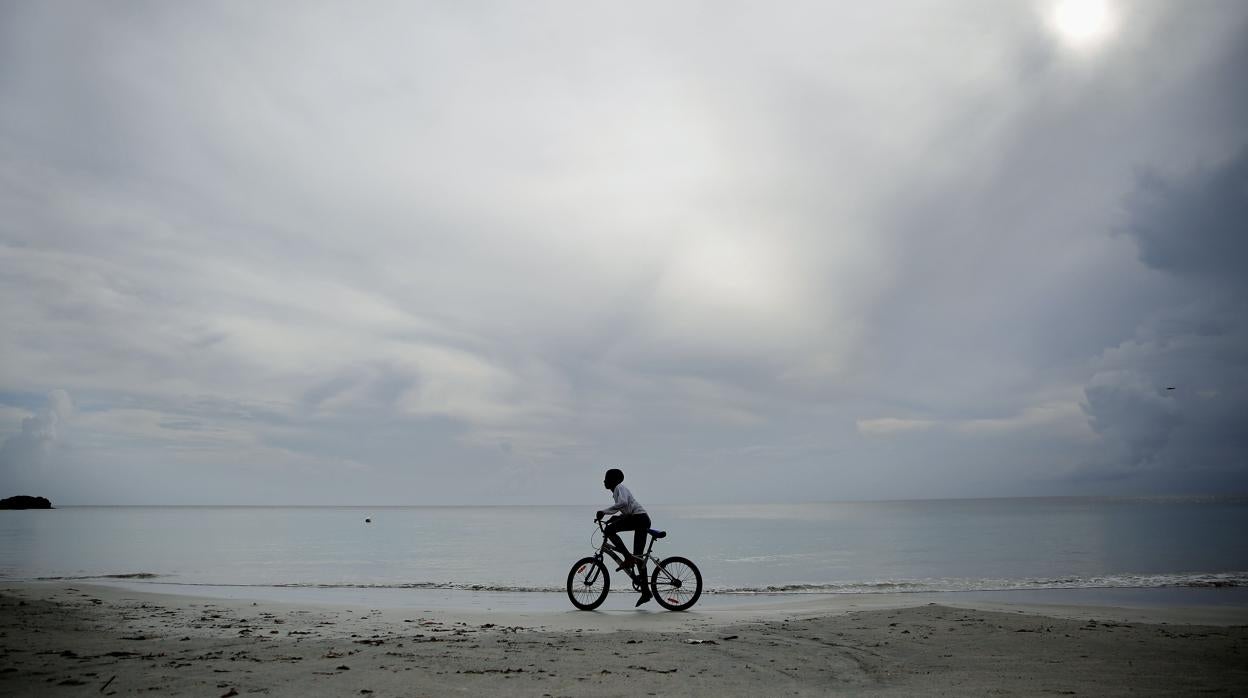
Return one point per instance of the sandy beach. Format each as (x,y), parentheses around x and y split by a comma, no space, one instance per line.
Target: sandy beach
(78,639)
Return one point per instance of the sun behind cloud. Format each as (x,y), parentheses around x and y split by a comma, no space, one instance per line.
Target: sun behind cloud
(1083,24)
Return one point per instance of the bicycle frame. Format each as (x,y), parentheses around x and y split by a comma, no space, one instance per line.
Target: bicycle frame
(608,549)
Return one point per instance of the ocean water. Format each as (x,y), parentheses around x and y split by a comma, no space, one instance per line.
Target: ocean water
(862,547)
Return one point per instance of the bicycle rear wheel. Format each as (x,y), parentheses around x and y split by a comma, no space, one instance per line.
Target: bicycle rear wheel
(588,583)
(676,583)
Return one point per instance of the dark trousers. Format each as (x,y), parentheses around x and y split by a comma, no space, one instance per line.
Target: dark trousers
(640,523)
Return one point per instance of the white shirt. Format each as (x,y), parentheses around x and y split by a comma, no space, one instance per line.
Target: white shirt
(624,503)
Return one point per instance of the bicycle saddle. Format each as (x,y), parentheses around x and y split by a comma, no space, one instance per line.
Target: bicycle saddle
(657,533)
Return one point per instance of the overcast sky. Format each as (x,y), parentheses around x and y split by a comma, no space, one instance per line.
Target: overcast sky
(471,252)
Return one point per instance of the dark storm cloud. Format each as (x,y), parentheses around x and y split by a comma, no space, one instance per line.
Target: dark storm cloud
(1195,227)
(1175,398)
(1135,417)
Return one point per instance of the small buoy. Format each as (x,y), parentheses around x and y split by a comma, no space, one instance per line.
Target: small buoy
(368,520)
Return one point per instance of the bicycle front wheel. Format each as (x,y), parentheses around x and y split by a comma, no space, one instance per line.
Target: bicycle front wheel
(676,583)
(588,583)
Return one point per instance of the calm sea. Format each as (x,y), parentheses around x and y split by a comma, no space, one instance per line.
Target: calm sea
(952,545)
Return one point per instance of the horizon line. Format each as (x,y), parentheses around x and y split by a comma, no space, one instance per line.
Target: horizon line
(1218,496)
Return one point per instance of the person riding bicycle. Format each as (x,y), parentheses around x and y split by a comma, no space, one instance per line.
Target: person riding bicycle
(630,516)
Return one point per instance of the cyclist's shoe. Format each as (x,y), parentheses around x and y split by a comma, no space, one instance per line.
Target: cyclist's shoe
(645,597)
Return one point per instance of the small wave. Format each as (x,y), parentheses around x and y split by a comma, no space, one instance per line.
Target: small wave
(454,586)
(755,559)
(1219,580)
(129,575)
(450,586)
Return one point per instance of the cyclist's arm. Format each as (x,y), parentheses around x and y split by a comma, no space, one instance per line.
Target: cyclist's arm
(614,508)
(609,511)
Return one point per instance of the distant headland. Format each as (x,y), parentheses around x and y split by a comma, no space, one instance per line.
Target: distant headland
(25,502)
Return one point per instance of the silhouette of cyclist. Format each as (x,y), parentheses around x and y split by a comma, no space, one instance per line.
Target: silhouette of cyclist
(630,516)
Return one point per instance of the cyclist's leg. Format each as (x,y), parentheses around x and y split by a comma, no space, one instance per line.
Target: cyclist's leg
(641,529)
(613,528)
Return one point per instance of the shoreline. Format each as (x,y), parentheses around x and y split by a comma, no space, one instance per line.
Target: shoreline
(69,638)
(1205,606)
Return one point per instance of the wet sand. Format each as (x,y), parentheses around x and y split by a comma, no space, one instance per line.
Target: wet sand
(77,639)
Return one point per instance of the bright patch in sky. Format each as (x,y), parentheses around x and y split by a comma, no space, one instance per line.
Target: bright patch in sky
(1082,24)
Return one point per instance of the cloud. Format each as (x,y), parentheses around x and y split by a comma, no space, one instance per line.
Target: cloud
(1175,396)
(1193,226)
(892,425)
(1132,414)
(27,451)
(1060,417)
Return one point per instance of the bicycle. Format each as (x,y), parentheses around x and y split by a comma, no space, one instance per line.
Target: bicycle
(675,583)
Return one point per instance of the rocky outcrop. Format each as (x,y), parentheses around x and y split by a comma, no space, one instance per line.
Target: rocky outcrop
(25,502)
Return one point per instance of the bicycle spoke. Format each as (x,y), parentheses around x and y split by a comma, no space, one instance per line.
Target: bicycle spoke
(676,583)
